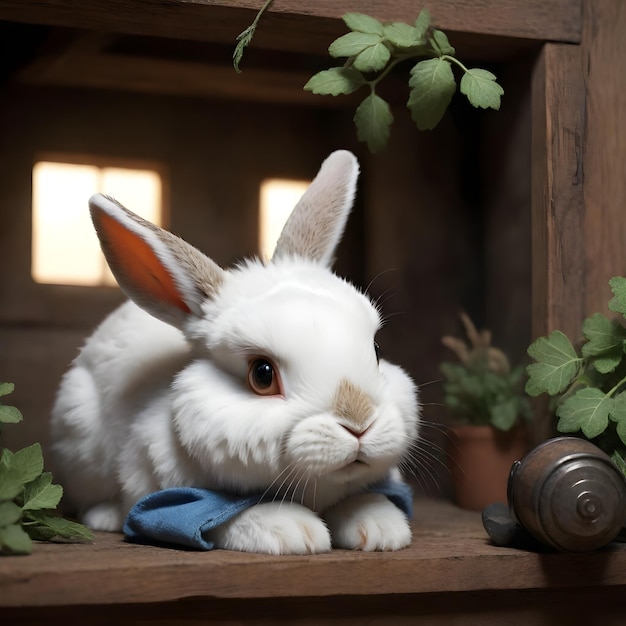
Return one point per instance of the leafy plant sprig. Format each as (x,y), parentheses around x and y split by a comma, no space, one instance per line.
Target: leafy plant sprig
(589,383)
(28,498)
(244,38)
(373,48)
(482,388)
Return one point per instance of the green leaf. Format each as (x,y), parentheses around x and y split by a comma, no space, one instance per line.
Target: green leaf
(41,494)
(557,364)
(373,120)
(9,415)
(245,38)
(40,533)
(604,335)
(372,59)
(28,462)
(453,371)
(618,287)
(64,528)
(587,410)
(504,415)
(11,483)
(605,342)
(621,431)
(618,414)
(362,23)
(243,41)
(13,540)
(5,457)
(481,89)
(351,44)
(422,23)
(440,44)
(432,87)
(403,35)
(6,389)
(606,364)
(10,513)
(335,81)
(618,459)
(618,411)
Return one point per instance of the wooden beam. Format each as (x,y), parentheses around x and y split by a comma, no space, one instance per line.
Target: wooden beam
(179,78)
(579,187)
(557,209)
(558,260)
(294,24)
(603,151)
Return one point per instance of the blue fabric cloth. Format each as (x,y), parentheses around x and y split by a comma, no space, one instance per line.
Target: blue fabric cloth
(181,516)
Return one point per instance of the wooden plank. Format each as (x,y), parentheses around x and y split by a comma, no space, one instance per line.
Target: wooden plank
(604,150)
(579,147)
(557,211)
(528,608)
(558,265)
(450,553)
(169,77)
(295,25)
(578,187)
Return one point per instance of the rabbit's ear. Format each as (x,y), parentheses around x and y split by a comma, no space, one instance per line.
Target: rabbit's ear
(162,273)
(316,224)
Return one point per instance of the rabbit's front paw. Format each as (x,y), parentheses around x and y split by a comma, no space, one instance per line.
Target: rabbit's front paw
(273,528)
(104,516)
(368,522)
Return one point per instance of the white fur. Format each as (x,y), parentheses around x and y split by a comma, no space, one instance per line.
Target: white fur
(147,406)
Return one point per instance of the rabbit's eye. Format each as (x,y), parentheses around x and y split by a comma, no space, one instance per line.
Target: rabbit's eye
(263,378)
(377,351)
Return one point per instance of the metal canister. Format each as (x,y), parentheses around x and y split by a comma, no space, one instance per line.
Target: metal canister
(568,494)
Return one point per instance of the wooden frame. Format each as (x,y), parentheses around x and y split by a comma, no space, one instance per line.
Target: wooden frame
(578,242)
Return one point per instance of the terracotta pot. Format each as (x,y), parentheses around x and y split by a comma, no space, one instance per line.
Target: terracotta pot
(480,460)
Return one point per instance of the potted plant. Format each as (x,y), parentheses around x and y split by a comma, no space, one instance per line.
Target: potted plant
(587,384)
(488,407)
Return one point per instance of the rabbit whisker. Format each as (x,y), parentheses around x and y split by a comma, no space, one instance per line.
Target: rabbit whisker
(384,297)
(387,271)
(285,486)
(418,450)
(295,489)
(430,382)
(276,479)
(290,487)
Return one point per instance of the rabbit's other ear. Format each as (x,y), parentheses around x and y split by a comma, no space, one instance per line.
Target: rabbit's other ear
(316,224)
(160,272)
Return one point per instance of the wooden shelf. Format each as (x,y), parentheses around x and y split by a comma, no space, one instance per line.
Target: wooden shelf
(450,553)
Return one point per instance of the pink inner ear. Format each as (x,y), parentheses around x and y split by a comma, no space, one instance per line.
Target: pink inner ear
(135,264)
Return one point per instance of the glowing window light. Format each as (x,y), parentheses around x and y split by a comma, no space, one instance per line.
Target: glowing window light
(278,198)
(65,248)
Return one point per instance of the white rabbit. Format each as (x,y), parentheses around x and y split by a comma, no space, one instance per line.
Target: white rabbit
(263,378)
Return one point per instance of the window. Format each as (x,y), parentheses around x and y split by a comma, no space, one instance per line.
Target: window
(65,248)
(278,198)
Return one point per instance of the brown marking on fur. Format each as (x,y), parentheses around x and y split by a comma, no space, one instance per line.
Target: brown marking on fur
(310,539)
(352,404)
(207,275)
(363,536)
(316,224)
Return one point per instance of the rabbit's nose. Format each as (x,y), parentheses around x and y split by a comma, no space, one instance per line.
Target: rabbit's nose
(357,431)
(353,407)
